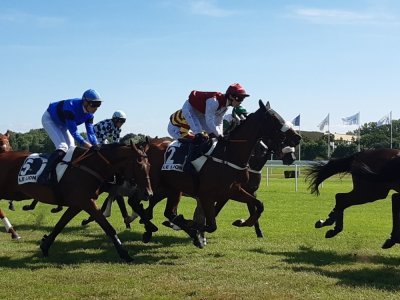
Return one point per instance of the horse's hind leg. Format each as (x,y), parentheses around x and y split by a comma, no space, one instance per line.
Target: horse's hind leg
(105,208)
(48,240)
(395,235)
(100,219)
(30,206)
(9,228)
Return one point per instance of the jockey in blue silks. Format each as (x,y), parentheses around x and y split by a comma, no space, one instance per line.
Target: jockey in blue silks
(61,120)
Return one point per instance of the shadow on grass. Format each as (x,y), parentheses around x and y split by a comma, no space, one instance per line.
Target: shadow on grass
(94,248)
(377,271)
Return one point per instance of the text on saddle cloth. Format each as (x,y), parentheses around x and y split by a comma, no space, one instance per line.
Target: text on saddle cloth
(35,163)
(176,153)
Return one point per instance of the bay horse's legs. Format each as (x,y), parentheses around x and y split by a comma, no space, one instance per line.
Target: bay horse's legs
(9,228)
(48,240)
(105,208)
(122,207)
(30,206)
(395,235)
(100,219)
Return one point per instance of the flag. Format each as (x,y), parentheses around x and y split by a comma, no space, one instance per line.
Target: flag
(296,121)
(385,120)
(323,123)
(355,119)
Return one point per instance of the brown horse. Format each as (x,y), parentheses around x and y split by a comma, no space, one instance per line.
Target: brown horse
(78,188)
(220,179)
(6,147)
(374,174)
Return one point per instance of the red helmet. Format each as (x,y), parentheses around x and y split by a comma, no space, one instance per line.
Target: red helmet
(236,90)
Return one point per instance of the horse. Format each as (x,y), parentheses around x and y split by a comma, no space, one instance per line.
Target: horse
(374,173)
(79,186)
(221,177)
(6,147)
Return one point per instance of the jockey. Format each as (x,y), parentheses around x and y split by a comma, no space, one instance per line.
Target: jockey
(204,111)
(109,130)
(61,120)
(238,114)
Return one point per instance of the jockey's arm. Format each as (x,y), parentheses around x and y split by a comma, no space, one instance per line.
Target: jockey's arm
(212,120)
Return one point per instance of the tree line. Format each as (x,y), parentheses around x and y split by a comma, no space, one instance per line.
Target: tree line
(313,146)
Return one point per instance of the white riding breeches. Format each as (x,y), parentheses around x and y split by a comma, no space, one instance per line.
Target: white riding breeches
(59,135)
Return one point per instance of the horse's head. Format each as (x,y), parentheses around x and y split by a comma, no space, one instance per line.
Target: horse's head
(278,134)
(141,169)
(5,142)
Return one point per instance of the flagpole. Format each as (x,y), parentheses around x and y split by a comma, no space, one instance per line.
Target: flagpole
(329,148)
(299,145)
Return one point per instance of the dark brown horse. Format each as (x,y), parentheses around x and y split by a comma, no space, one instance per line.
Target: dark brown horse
(78,188)
(222,176)
(374,174)
(6,147)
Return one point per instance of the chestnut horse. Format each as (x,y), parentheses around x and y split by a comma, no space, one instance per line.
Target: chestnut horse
(78,188)
(374,174)
(6,147)
(221,177)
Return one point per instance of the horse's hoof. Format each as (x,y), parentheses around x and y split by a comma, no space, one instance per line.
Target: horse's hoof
(56,209)
(11,207)
(198,241)
(319,224)
(330,234)
(127,226)
(238,223)
(147,235)
(85,222)
(15,237)
(389,243)
(260,234)
(151,227)
(27,207)
(44,246)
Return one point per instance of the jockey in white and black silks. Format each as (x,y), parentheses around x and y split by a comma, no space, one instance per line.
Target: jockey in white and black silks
(109,130)
(204,111)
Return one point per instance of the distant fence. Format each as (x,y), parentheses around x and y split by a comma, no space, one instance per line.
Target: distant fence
(294,173)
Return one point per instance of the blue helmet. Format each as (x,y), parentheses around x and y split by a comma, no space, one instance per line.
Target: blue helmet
(91,95)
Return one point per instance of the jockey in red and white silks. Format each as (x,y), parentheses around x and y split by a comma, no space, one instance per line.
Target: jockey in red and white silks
(204,111)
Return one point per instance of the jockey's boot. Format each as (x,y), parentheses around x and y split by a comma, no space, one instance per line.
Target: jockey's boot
(52,161)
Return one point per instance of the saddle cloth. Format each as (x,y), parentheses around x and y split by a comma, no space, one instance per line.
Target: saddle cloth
(35,163)
(176,154)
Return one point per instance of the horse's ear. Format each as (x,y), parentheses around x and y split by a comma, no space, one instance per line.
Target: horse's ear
(7,134)
(268,106)
(262,106)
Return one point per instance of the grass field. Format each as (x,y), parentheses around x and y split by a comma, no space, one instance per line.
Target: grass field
(292,261)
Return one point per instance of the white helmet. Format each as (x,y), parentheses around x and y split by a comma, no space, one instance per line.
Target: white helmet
(119,114)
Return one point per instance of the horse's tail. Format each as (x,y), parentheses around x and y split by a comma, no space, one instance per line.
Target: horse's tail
(320,171)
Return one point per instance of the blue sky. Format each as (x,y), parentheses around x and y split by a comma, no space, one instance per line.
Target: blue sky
(144,57)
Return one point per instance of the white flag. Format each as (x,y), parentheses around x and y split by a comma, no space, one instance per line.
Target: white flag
(385,120)
(324,123)
(355,119)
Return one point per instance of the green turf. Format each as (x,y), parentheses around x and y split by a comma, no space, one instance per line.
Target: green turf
(293,261)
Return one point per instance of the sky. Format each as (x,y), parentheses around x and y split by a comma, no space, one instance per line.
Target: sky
(144,57)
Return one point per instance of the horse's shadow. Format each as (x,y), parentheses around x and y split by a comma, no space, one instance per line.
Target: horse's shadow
(379,272)
(74,252)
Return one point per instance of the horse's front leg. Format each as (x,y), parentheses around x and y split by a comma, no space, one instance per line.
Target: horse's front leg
(395,235)
(9,228)
(48,240)
(256,207)
(100,219)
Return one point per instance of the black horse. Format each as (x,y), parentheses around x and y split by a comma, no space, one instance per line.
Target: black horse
(374,174)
